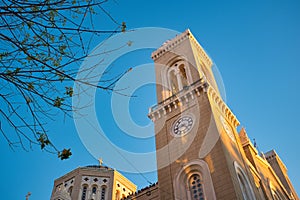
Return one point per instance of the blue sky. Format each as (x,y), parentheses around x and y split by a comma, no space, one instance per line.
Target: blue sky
(256,46)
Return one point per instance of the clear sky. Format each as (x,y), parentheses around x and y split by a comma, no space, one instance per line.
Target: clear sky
(256,46)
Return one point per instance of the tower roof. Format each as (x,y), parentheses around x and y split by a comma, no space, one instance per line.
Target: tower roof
(98,167)
(271,155)
(172,43)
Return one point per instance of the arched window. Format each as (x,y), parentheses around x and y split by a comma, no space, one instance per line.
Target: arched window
(193,182)
(94,190)
(118,195)
(70,190)
(84,191)
(196,187)
(178,76)
(103,191)
(244,183)
(183,76)
(173,82)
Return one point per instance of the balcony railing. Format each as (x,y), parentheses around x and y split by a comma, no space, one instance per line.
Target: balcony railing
(178,95)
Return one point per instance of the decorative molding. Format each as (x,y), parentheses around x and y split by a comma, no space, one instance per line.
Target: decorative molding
(95,180)
(171,44)
(222,106)
(244,183)
(181,187)
(227,128)
(174,102)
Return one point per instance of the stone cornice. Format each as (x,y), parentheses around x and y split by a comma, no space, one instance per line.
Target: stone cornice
(273,155)
(222,106)
(171,103)
(123,180)
(253,169)
(171,44)
(177,100)
(200,50)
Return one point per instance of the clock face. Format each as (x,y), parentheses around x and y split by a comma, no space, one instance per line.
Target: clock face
(182,126)
(227,128)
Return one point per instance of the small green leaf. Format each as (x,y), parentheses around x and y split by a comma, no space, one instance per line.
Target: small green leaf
(69,91)
(43,140)
(29,24)
(17,70)
(30,86)
(123,27)
(3,54)
(58,101)
(64,154)
(62,49)
(60,74)
(52,38)
(56,63)
(35,8)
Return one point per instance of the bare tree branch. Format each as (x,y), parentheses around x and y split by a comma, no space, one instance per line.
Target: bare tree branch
(42,44)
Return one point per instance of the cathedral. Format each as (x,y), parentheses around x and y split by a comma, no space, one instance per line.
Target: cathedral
(200,153)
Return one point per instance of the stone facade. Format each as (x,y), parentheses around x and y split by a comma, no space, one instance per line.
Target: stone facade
(200,153)
(205,158)
(92,183)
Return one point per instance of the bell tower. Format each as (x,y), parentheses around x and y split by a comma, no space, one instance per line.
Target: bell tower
(198,153)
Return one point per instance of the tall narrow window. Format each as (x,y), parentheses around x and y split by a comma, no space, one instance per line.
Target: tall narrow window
(94,190)
(275,195)
(103,191)
(173,82)
(178,76)
(70,190)
(183,76)
(194,182)
(84,190)
(244,183)
(118,195)
(196,187)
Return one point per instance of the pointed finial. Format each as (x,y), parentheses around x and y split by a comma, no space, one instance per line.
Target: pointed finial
(255,145)
(254,142)
(100,161)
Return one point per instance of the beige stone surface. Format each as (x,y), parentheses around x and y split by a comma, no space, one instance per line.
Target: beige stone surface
(228,165)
